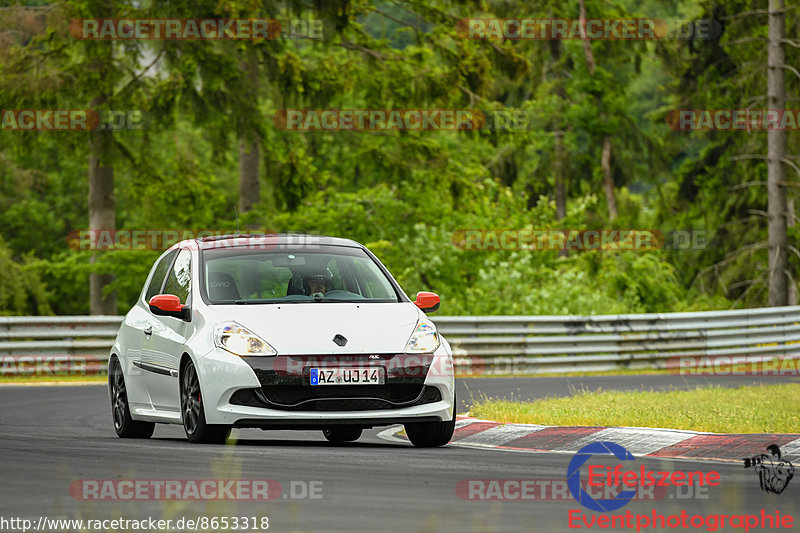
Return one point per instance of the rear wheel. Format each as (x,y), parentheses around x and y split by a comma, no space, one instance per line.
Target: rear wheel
(193,413)
(342,433)
(125,426)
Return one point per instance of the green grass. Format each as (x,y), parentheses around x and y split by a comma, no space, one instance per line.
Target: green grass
(748,409)
(54,378)
(615,372)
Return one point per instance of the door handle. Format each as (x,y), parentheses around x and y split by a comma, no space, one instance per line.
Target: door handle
(148,331)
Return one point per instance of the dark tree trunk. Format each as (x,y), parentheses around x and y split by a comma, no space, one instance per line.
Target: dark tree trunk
(608,182)
(249,150)
(558,140)
(605,158)
(558,170)
(249,185)
(777,209)
(101,215)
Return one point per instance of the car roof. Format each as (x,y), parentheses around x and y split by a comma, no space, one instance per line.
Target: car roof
(274,239)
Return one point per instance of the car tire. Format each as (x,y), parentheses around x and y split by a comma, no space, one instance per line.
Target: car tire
(432,434)
(125,426)
(193,415)
(342,433)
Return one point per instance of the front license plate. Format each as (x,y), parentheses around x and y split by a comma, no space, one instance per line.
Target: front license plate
(346,376)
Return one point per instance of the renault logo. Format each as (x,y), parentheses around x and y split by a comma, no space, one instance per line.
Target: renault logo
(340,340)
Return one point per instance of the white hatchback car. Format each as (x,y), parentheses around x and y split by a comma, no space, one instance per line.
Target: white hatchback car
(279,332)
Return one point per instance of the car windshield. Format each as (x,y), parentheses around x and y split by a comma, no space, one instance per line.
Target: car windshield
(242,275)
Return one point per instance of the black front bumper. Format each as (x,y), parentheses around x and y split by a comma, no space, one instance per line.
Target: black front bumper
(286,385)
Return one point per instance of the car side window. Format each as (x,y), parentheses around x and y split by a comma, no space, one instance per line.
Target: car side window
(159,273)
(179,280)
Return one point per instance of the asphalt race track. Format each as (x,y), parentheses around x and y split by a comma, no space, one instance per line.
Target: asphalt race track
(52,436)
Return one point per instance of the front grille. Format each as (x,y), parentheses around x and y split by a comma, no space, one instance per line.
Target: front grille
(285,383)
(348,404)
(291,395)
(339,398)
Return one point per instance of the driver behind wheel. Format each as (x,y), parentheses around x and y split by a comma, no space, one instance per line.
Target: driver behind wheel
(317,285)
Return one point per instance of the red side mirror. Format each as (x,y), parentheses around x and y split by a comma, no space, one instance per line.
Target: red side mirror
(168,305)
(427,301)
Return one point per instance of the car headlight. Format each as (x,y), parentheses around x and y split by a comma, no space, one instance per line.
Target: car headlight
(240,341)
(424,339)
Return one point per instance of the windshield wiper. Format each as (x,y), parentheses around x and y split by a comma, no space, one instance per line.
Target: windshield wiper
(238,302)
(337,301)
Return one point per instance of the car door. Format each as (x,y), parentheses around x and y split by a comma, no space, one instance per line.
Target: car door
(137,327)
(163,347)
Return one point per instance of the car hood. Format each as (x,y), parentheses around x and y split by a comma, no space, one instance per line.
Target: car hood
(309,328)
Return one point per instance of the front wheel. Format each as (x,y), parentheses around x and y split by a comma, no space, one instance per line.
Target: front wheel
(125,426)
(342,433)
(432,434)
(193,413)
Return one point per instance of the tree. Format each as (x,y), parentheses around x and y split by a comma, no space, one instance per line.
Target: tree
(51,69)
(595,123)
(723,181)
(101,65)
(777,209)
(605,162)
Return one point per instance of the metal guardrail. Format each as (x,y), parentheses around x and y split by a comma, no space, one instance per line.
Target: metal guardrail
(481,344)
(44,345)
(557,343)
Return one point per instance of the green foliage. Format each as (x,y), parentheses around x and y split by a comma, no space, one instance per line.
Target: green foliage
(402,193)
(22,291)
(416,242)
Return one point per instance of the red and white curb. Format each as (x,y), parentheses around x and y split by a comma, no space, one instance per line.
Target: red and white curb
(647,442)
